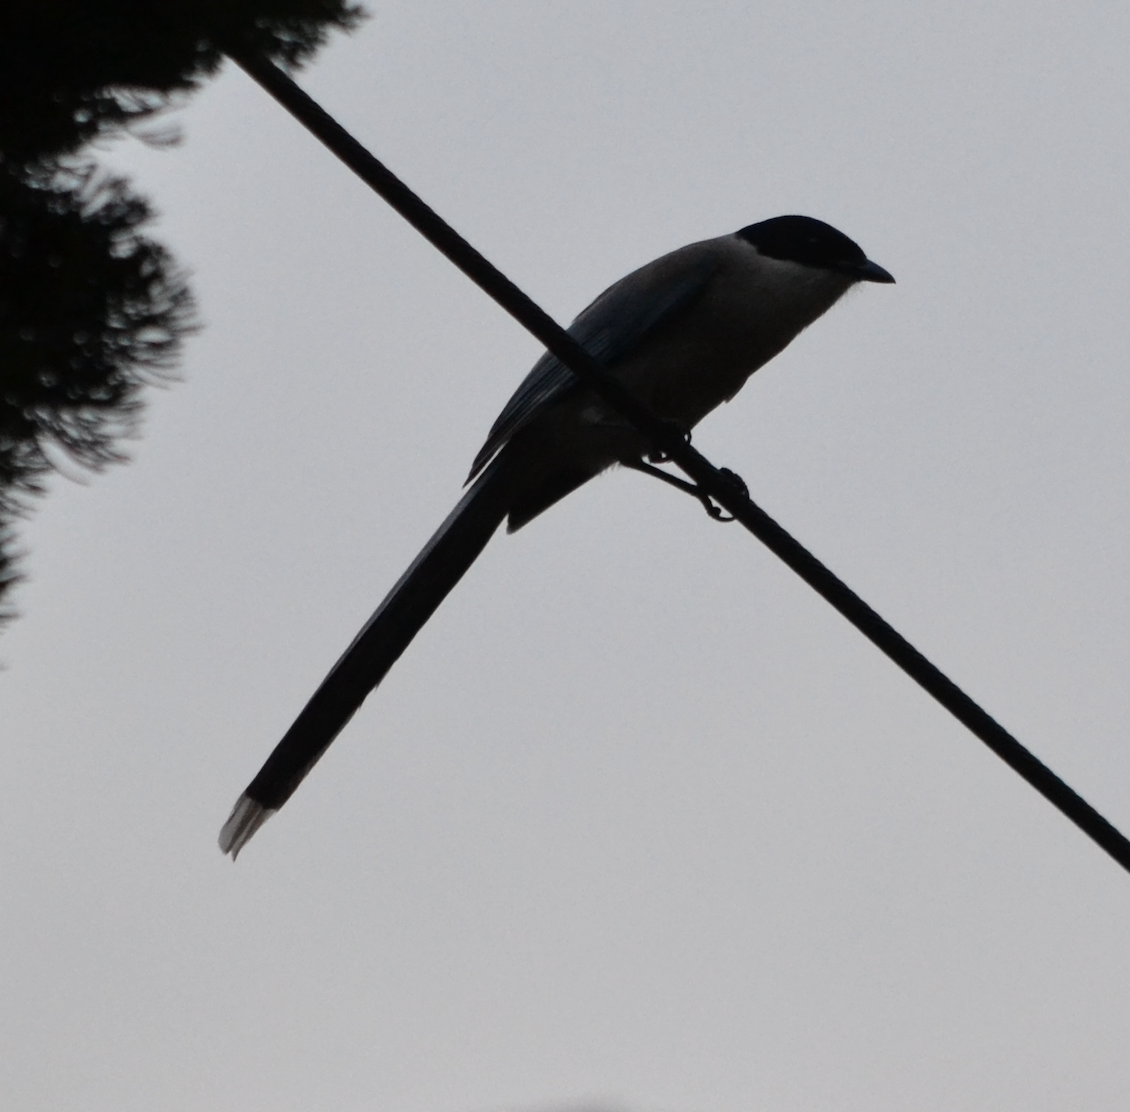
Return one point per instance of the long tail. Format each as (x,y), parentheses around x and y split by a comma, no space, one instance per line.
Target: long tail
(442,563)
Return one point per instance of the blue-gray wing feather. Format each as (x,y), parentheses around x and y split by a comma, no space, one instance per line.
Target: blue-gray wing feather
(614,325)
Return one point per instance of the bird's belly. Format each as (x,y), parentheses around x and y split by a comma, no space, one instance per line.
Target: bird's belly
(686,379)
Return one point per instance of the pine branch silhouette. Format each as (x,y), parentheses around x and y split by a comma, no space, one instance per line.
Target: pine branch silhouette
(92,309)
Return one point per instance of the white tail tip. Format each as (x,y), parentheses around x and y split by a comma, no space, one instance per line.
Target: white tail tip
(246,817)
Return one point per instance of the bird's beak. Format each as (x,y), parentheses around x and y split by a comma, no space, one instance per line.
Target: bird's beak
(869,272)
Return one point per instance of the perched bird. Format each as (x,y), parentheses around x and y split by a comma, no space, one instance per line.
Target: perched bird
(682,334)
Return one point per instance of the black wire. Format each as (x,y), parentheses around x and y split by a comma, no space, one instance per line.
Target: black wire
(668,440)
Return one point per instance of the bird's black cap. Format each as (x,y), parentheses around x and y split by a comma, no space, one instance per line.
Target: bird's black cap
(801,239)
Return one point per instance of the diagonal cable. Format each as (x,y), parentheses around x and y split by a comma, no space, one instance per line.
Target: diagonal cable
(668,440)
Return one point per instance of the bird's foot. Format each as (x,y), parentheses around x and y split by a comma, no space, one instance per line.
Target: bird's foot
(734,480)
(693,489)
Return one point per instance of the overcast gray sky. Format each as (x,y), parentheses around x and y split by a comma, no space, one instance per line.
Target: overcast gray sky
(638,822)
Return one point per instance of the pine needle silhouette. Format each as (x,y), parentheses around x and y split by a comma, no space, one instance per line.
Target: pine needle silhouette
(92,310)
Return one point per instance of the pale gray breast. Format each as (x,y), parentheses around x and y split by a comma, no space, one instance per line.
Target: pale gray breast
(752,309)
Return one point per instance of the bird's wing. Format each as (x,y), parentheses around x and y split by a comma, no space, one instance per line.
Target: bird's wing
(615,324)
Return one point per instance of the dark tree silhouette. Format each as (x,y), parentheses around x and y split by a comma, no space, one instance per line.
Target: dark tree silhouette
(74,69)
(91,309)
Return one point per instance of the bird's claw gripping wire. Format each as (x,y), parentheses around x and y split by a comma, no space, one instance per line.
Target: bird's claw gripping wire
(737,482)
(693,489)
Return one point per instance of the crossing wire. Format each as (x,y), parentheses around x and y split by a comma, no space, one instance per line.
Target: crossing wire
(666,439)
